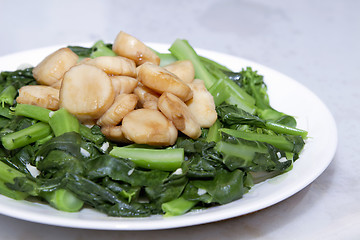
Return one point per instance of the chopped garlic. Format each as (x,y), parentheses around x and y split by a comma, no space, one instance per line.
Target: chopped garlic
(201,191)
(84,152)
(178,171)
(105,146)
(33,170)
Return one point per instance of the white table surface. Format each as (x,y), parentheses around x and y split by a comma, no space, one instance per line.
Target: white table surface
(313,41)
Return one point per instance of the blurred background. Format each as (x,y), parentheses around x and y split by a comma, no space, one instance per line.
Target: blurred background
(313,41)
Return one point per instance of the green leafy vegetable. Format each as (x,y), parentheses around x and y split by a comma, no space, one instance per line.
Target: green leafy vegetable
(224,188)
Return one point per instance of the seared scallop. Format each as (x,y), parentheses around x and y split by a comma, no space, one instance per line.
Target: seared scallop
(53,67)
(86,92)
(148,126)
(128,46)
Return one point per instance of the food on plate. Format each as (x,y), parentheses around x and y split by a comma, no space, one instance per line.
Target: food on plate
(132,132)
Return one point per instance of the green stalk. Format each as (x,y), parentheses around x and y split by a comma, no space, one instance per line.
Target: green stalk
(246,152)
(4,190)
(276,140)
(100,49)
(161,159)
(34,112)
(4,122)
(182,50)
(63,200)
(7,176)
(43,114)
(6,112)
(8,95)
(280,128)
(44,140)
(239,97)
(207,61)
(26,136)
(262,176)
(62,122)
(165,58)
(178,206)
(220,92)
(213,133)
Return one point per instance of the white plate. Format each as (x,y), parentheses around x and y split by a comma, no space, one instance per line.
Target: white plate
(286,95)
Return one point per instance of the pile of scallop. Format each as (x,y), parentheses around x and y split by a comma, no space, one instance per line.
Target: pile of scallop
(129,96)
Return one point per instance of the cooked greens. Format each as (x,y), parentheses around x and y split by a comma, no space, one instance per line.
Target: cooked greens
(78,167)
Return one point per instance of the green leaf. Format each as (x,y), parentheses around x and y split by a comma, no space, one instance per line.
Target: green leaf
(224,188)
(124,170)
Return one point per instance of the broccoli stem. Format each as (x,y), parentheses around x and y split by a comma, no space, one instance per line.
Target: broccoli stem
(8,95)
(178,206)
(26,136)
(34,112)
(182,50)
(161,159)
(278,141)
(62,122)
(63,200)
